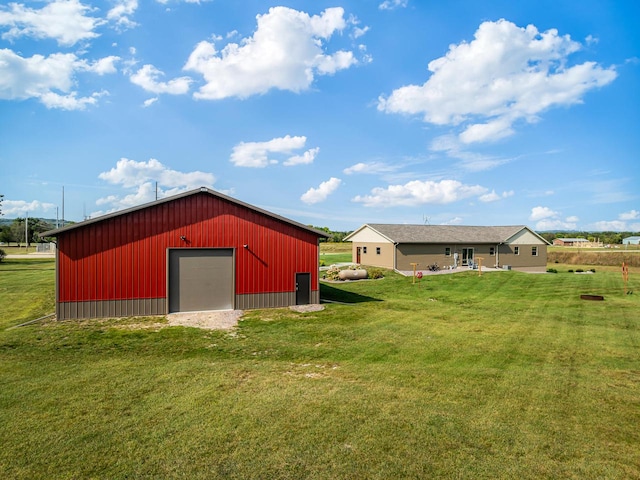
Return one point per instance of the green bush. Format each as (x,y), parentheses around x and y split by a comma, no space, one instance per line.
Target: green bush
(570,271)
(579,270)
(552,270)
(592,270)
(375,273)
(2,255)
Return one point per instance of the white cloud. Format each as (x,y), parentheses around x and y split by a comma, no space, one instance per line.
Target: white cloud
(304,159)
(121,14)
(630,215)
(149,102)
(493,196)
(538,213)
(548,219)
(103,66)
(286,52)
(614,225)
(66,21)
(256,154)
(320,194)
(141,177)
(369,167)
(49,79)
(147,78)
(506,74)
(21,207)
(393,4)
(418,192)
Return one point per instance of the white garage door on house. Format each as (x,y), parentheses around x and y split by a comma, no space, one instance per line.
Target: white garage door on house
(200,279)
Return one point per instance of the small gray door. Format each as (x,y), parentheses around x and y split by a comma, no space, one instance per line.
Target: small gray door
(303,288)
(200,279)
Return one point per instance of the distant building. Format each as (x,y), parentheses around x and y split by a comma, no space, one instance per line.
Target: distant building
(571,242)
(631,241)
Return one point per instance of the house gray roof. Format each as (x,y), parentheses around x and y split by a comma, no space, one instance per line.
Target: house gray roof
(448,233)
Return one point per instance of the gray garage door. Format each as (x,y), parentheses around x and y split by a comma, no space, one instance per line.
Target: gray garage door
(200,279)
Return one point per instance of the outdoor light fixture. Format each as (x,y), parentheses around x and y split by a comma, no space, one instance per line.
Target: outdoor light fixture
(183,238)
(245,245)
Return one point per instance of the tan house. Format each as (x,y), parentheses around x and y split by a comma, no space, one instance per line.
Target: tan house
(399,246)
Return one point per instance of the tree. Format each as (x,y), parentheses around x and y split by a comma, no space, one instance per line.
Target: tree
(35,227)
(6,235)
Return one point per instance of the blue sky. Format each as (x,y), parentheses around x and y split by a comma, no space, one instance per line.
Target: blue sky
(330,113)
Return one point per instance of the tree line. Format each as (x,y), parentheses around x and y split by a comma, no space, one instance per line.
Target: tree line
(15,232)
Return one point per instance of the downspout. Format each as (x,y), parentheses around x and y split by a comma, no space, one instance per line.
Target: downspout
(395,256)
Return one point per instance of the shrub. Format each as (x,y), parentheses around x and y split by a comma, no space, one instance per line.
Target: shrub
(592,270)
(322,263)
(552,270)
(332,273)
(2,255)
(579,270)
(570,271)
(375,273)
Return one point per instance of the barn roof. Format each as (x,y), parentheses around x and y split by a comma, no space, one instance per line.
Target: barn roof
(573,239)
(58,231)
(446,233)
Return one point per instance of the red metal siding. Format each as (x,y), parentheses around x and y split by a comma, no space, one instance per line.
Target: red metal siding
(124,257)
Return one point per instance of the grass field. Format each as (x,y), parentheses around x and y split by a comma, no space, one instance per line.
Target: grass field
(508,375)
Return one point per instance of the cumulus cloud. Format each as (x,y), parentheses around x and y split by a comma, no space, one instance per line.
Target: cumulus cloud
(121,14)
(304,159)
(548,219)
(140,177)
(630,215)
(256,154)
(148,78)
(22,207)
(417,192)
(286,52)
(613,225)
(66,21)
(538,213)
(494,197)
(320,194)
(505,75)
(49,79)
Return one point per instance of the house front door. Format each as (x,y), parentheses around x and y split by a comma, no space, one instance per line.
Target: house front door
(467,256)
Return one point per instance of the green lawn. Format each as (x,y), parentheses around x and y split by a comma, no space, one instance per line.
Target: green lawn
(507,375)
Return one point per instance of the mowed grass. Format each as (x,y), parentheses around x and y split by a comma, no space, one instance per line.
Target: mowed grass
(507,375)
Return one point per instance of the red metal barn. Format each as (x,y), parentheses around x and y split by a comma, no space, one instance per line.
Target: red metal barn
(200,250)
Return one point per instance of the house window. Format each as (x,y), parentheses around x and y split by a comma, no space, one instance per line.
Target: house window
(534,251)
(516,250)
(377,250)
(364,249)
(447,251)
(492,251)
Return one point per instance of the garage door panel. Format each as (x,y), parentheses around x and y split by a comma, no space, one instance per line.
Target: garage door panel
(200,279)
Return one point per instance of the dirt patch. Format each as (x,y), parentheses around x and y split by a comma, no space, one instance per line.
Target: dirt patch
(218,320)
(307,308)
